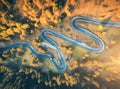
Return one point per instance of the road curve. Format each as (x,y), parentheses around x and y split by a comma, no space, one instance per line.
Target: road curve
(60,64)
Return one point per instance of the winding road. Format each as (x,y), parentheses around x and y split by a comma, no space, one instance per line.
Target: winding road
(60,64)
